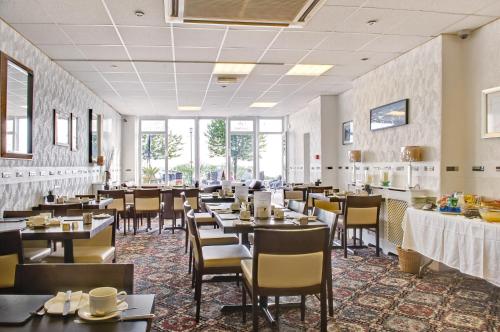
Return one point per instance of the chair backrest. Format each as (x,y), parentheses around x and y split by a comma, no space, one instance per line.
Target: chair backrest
(11,254)
(319,189)
(194,238)
(294,194)
(187,207)
(51,278)
(362,210)
(327,205)
(330,218)
(147,200)
(297,206)
(118,197)
(289,260)
(24,214)
(190,194)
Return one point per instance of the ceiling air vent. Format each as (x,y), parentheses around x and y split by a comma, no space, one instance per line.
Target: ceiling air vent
(281,13)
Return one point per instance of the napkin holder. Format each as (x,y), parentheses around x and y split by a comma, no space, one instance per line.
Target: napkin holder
(245,215)
(37,221)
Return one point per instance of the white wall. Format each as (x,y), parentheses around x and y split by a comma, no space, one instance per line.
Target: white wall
(54,88)
(130,149)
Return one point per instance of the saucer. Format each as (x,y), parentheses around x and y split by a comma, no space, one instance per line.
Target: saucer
(84,313)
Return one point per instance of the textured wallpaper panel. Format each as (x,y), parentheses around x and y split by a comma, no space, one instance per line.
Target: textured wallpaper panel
(54,88)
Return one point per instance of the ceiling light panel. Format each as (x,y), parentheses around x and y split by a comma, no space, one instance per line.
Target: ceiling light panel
(309,70)
(263,105)
(189,108)
(233,68)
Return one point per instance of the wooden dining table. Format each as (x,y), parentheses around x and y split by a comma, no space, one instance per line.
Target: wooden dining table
(91,204)
(23,304)
(56,233)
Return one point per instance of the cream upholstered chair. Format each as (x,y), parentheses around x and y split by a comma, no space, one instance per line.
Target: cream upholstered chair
(98,249)
(287,263)
(178,204)
(120,205)
(298,206)
(147,201)
(215,259)
(201,218)
(328,206)
(11,254)
(361,212)
(33,250)
(296,195)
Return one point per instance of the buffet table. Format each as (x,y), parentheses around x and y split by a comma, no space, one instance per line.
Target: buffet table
(471,246)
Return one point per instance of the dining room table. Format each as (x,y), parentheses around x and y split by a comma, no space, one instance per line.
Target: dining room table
(91,204)
(18,313)
(56,233)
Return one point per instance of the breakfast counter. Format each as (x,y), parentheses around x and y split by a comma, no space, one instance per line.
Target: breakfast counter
(471,246)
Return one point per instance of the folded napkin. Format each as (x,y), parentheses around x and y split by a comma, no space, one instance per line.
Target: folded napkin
(56,304)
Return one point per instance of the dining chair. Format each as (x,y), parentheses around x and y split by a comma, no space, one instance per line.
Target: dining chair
(119,203)
(332,206)
(208,237)
(286,263)
(297,206)
(33,250)
(178,204)
(99,249)
(147,201)
(293,195)
(51,278)
(60,209)
(11,254)
(214,259)
(361,212)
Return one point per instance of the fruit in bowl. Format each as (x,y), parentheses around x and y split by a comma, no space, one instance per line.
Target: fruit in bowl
(489,214)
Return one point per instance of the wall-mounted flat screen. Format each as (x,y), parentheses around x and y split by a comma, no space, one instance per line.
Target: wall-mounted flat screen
(390,115)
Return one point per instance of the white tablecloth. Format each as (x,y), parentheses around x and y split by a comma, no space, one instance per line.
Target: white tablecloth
(470,246)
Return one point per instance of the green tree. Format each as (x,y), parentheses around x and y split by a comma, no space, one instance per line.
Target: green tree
(175,145)
(241,145)
(153,146)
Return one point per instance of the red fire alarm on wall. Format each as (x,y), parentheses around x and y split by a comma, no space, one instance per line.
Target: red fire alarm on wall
(316,156)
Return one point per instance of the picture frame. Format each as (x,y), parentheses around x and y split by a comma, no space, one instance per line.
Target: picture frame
(347,132)
(390,115)
(61,129)
(74,132)
(94,136)
(490,113)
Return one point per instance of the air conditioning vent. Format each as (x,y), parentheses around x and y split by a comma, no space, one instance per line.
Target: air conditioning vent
(226,80)
(282,13)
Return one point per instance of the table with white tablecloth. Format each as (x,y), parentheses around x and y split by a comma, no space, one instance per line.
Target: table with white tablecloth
(471,246)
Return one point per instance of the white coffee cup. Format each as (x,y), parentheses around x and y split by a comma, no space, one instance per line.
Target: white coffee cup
(104,300)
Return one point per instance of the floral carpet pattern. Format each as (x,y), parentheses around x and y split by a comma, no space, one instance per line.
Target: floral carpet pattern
(370,294)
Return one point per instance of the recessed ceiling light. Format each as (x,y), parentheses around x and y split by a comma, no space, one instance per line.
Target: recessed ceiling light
(228,68)
(364,59)
(139,13)
(371,22)
(189,108)
(309,70)
(261,104)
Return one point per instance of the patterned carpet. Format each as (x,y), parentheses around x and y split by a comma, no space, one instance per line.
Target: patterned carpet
(370,294)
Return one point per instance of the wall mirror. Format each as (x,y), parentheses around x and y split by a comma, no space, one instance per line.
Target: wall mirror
(95,136)
(16,108)
(491,113)
(61,129)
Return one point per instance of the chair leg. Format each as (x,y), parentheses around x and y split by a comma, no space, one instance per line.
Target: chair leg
(277,307)
(237,280)
(344,240)
(377,236)
(323,310)
(198,294)
(190,258)
(193,278)
(134,222)
(186,242)
(174,221)
(243,303)
(302,307)
(255,312)
(354,236)
(329,281)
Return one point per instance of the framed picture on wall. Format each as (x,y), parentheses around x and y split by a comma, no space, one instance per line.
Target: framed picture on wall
(347,132)
(74,132)
(95,136)
(490,105)
(61,129)
(390,115)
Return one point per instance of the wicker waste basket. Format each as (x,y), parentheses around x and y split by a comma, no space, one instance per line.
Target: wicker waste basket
(409,260)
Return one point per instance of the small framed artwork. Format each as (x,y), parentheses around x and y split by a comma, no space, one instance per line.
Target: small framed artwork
(490,105)
(347,133)
(95,136)
(61,129)
(74,132)
(391,115)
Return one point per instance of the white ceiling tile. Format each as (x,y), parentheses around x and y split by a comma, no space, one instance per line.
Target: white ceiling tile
(15,11)
(354,70)
(195,54)
(61,52)
(154,67)
(197,37)
(283,56)
(294,80)
(127,86)
(392,43)
(445,6)
(344,2)
(150,53)
(113,66)
(193,77)
(492,9)
(43,33)
(92,35)
(470,22)
(98,85)
(263,78)
(146,36)
(435,23)
(76,65)
(123,12)
(271,69)
(328,57)
(387,19)
(194,68)
(329,17)
(157,77)
(87,12)
(339,41)
(166,94)
(240,54)
(159,86)
(133,93)
(299,40)
(190,86)
(87,76)
(249,38)
(100,52)
(120,77)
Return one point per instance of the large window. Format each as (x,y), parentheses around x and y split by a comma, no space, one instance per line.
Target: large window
(153,147)
(180,151)
(271,151)
(212,151)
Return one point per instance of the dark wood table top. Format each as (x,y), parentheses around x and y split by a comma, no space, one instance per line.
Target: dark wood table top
(143,303)
(92,204)
(56,232)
